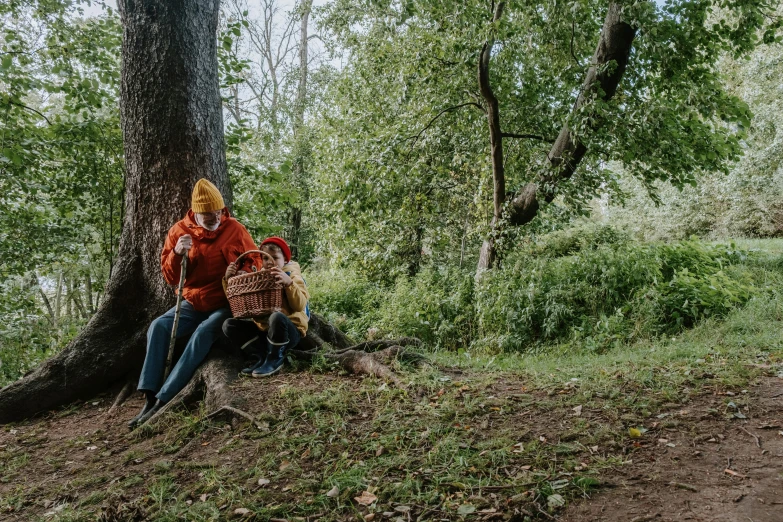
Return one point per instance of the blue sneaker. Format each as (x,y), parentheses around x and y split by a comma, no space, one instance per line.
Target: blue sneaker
(274,361)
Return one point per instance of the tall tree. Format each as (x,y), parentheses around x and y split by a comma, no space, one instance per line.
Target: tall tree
(600,83)
(173,129)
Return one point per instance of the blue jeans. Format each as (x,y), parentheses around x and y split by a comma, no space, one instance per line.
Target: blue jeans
(205,327)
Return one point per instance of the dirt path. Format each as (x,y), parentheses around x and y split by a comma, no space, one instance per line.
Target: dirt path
(703,469)
(450,451)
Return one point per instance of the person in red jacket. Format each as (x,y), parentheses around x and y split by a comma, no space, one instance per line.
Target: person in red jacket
(211,239)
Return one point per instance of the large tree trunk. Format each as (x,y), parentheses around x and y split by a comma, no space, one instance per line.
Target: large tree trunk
(173,128)
(614,45)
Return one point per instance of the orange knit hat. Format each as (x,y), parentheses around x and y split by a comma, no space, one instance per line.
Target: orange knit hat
(206,197)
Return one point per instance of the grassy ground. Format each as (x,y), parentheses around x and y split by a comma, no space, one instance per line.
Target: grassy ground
(469,437)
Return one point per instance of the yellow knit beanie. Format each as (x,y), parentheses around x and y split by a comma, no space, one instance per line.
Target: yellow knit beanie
(206,197)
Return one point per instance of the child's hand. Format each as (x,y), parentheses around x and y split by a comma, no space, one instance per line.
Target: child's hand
(281,276)
(231,271)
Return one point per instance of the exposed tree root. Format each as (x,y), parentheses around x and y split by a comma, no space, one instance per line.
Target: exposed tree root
(364,363)
(233,413)
(211,381)
(125,392)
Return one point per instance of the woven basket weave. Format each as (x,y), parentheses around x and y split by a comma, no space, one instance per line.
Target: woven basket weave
(254,294)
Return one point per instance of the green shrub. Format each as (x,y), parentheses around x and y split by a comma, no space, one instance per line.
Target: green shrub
(345,298)
(591,287)
(689,297)
(608,293)
(569,241)
(436,306)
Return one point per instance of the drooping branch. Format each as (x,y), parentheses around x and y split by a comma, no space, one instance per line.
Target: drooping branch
(417,136)
(39,113)
(526,137)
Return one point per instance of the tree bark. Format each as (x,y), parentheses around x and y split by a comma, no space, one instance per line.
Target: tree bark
(614,45)
(172,123)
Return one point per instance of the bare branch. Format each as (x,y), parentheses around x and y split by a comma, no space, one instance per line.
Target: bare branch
(527,137)
(441,113)
(30,109)
(573,30)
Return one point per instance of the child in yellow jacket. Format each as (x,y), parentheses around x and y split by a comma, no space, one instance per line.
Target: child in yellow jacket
(269,337)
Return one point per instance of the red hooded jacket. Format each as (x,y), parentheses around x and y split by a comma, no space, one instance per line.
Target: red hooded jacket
(207,260)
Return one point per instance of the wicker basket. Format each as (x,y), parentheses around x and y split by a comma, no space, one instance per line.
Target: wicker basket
(254,294)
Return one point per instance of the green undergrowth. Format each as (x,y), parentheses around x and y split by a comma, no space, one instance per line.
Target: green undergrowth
(725,349)
(591,287)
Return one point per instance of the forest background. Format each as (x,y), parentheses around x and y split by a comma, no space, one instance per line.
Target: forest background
(358,131)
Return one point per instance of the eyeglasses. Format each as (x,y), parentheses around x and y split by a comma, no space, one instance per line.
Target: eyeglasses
(215,214)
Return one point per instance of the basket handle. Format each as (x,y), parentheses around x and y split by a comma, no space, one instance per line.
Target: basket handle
(252,252)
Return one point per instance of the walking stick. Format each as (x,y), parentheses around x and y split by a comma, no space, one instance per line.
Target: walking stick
(176,315)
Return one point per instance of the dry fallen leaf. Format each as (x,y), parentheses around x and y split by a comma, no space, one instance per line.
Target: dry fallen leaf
(241,511)
(284,465)
(733,473)
(577,410)
(263,482)
(366,498)
(203,497)
(333,492)
(380,451)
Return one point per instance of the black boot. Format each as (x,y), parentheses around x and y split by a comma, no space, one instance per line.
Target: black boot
(150,402)
(152,411)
